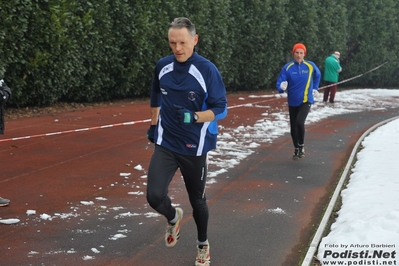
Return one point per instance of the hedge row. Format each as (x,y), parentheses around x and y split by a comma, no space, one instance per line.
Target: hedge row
(87,51)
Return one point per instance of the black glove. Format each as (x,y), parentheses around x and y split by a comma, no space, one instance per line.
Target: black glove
(150,133)
(184,116)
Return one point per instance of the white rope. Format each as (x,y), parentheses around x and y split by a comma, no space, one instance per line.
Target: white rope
(358,76)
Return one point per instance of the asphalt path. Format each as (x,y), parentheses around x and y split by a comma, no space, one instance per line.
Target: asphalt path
(86,185)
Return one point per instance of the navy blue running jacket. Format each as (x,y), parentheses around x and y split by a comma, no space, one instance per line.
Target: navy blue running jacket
(196,85)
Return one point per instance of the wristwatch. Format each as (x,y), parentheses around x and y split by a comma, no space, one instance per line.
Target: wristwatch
(195,117)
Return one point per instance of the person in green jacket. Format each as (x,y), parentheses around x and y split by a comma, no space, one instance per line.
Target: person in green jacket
(332,68)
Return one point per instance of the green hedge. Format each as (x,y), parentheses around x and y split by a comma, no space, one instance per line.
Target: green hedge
(87,51)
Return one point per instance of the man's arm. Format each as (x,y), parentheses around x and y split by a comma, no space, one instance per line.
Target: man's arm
(5,92)
(316,77)
(205,116)
(282,77)
(339,68)
(154,115)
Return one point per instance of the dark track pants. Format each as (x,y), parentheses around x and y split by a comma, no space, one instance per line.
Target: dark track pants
(163,167)
(330,91)
(298,116)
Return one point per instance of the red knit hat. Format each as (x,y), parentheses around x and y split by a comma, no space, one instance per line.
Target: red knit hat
(299,46)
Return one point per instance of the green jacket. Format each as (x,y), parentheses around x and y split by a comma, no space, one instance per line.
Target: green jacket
(332,68)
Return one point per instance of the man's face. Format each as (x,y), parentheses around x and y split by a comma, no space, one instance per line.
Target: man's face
(182,43)
(299,55)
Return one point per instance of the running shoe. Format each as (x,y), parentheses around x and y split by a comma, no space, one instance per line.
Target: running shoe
(301,152)
(4,202)
(295,156)
(173,230)
(203,256)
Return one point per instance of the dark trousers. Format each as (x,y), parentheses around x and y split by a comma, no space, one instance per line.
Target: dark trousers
(298,116)
(163,167)
(330,91)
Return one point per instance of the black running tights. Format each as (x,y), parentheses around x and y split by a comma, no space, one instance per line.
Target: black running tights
(163,166)
(298,116)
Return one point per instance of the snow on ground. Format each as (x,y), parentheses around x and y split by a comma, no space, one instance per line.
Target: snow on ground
(364,210)
(366,231)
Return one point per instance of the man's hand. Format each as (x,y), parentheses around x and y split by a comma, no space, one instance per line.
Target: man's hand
(316,94)
(150,133)
(184,116)
(284,85)
(3,96)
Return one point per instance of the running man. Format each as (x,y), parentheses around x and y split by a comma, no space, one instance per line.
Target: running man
(300,79)
(188,96)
